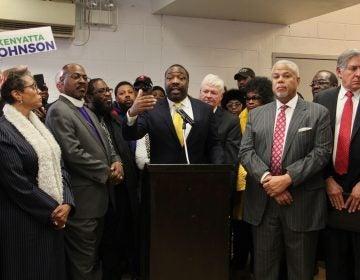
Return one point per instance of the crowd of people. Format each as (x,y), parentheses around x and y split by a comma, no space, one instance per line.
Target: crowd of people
(71,170)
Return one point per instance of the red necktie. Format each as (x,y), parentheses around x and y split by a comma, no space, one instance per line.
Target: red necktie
(278,142)
(343,144)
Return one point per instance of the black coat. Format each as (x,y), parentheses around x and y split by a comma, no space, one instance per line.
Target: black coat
(203,142)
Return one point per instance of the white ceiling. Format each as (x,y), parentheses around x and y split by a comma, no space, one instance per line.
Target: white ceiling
(265,11)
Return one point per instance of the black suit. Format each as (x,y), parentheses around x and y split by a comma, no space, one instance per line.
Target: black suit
(202,142)
(342,247)
(120,230)
(229,133)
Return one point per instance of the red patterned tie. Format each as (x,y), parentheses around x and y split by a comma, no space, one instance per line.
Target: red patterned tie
(343,144)
(278,142)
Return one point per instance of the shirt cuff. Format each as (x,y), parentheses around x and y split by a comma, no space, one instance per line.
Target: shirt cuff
(130,120)
(263,176)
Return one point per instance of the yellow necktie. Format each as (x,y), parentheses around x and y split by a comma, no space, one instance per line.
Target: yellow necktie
(178,122)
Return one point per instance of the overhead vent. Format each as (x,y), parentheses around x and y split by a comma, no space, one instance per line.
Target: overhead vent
(37,13)
(58,30)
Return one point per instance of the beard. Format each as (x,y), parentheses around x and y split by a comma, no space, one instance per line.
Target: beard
(101,107)
(180,96)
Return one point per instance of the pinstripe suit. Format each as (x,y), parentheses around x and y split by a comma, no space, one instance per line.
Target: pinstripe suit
(30,247)
(306,153)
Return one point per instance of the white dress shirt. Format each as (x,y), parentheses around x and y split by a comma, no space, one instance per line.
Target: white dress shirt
(339,109)
(288,113)
(185,105)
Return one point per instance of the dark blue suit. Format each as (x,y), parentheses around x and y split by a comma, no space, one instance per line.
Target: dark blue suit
(30,247)
(202,142)
(342,247)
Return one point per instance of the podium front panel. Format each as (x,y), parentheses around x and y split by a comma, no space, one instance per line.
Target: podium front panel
(187,222)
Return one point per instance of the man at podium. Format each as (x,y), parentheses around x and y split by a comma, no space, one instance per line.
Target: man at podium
(172,141)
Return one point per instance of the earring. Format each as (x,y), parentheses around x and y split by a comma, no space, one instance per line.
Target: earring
(20,101)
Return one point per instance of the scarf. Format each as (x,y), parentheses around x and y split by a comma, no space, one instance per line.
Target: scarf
(49,175)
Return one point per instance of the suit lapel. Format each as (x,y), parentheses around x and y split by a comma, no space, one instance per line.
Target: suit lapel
(84,121)
(197,116)
(269,123)
(165,115)
(294,124)
(332,99)
(100,130)
(356,125)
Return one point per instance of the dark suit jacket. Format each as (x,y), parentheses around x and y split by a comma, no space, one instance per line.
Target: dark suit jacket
(306,152)
(30,247)
(202,142)
(87,158)
(328,98)
(122,148)
(229,133)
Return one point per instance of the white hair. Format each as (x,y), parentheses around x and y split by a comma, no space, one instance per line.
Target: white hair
(292,65)
(214,81)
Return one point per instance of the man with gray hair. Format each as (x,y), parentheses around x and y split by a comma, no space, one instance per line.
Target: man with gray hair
(286,145)
(228,125)
(342,250)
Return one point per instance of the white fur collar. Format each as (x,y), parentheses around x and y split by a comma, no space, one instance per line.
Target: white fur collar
(47,150)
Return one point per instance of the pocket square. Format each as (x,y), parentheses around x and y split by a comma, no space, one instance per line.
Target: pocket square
(304,129)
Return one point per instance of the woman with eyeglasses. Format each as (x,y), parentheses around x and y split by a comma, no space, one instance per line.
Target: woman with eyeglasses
(232,101)
(258,92)
(35,199)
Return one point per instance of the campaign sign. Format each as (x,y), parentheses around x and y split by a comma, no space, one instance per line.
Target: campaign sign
(26,41)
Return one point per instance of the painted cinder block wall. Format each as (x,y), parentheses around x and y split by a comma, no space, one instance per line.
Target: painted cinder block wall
(147,44)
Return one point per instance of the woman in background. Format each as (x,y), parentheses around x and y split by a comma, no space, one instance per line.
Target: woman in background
(232,101)
(258,92)
(35,199)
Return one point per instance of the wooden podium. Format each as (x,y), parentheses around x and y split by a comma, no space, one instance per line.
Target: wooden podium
(186,222)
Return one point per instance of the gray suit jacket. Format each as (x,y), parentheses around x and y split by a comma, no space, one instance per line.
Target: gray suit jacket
(306,152)
(86,158)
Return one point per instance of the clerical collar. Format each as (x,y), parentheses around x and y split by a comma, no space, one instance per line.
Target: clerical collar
(76,102)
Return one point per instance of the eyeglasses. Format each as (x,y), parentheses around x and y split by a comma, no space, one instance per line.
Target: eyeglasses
(233,104)
(77,76)
(319,83)
(33,86)
(104,90)
(253,98)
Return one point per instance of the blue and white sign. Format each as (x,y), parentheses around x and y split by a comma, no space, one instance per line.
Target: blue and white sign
(26,41)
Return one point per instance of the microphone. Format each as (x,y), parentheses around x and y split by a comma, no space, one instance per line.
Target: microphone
(185,116)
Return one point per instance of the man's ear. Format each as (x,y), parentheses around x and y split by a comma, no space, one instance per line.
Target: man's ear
(60,84)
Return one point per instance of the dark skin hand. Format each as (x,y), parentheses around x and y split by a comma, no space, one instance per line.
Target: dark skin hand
(275,187)
(116,173)
(60,215)
(143,102)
